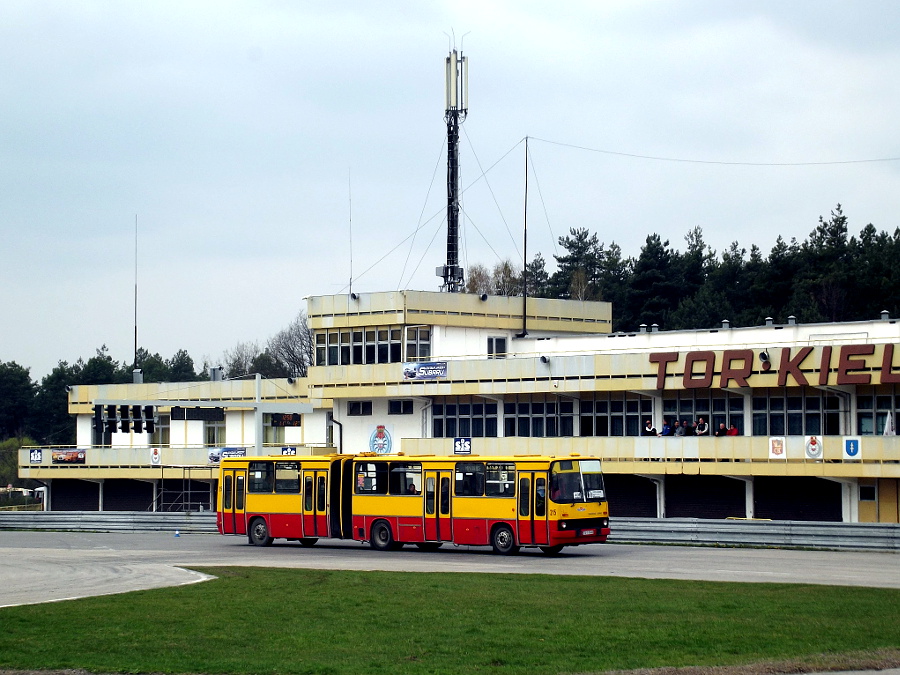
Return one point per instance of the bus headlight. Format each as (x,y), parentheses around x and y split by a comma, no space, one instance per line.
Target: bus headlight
(563,525)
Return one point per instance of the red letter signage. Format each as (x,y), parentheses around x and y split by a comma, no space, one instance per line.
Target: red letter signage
(663,359)
(705,380)
(792,366)
(847,364)
(739,375)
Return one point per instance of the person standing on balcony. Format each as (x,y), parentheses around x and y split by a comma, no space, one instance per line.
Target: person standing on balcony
(702,428)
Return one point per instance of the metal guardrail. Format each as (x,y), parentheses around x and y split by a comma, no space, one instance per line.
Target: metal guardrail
(684,531)
(192,522)
(774,533)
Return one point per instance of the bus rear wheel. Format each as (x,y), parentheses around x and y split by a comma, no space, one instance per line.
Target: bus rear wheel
(259,533)
(381,538)
(309,541)
(503,540)
(552,550)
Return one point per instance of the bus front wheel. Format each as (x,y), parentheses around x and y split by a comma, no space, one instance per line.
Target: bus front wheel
(552,550)
(259,533)
(381,538)
(309,541)
(503,540)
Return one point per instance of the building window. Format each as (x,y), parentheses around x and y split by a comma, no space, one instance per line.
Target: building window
(539,416)
(321,349)
(874,406)
(272,435)
(215,433)
(715,407)
(496,347)
(359,408)
(160,435)
(454,417)
(418,343)
(400,407)
(366,346)
(795,412)
(614,414)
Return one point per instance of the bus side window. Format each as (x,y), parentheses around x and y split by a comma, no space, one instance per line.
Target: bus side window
(540,498)
(469,479)
(445,495)
(262,477)
(320,502)
(239,493)
(308,493)
(429,496)
(524,496)
(287,477)
(226,490)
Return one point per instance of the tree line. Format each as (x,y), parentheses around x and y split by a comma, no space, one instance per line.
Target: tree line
(36,413)
(830,276)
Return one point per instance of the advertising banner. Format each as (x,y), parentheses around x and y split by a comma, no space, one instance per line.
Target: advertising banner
(426,370)
(68,457)
(216,454)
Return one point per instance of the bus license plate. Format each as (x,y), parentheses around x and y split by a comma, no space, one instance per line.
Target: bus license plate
(588,533)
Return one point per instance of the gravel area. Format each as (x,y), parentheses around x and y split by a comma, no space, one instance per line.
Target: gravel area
(883,659)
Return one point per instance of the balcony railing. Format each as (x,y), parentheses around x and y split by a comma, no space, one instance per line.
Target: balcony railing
(75,457)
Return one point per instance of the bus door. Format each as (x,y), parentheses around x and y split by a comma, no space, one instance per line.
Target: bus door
(438,523)
(234,489)
(315,489)
(532,507)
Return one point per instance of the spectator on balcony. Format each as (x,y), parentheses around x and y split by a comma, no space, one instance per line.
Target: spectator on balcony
(702,428)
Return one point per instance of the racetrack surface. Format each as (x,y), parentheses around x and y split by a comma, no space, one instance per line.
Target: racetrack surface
(50,566)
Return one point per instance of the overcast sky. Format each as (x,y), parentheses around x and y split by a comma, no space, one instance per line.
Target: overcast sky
(237,132)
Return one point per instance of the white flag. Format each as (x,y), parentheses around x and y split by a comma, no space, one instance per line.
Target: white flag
(889,425)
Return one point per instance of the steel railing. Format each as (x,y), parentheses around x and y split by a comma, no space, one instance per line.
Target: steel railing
(691,531)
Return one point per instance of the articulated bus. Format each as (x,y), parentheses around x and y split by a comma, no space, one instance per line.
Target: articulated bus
(392,500)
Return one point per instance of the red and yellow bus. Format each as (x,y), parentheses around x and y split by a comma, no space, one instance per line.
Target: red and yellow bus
(392,500)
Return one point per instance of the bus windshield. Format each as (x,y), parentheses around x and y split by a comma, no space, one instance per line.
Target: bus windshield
(575,480)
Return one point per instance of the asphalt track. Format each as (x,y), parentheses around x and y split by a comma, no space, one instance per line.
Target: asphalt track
(51,566)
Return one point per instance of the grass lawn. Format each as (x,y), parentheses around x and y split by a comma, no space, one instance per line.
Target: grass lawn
(254,620)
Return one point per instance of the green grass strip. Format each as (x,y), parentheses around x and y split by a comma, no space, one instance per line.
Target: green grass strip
(254,620)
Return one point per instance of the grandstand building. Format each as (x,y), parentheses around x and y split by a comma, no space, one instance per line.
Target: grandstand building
(814,408)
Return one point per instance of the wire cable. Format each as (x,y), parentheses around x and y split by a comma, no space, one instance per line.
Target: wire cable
(424,205)
(493,196)
(543,204)
(712,161)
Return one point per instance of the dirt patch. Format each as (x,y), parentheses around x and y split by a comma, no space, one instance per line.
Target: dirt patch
(881,659)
